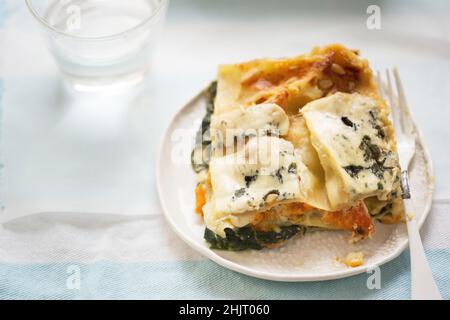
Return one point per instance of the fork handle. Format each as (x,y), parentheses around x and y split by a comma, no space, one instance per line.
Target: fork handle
(423,286)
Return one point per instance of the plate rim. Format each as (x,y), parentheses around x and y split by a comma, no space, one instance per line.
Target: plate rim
(303,277)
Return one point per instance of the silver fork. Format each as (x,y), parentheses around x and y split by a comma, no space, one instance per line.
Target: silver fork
(423,286)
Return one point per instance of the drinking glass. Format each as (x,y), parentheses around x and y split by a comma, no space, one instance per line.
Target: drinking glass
(100,44)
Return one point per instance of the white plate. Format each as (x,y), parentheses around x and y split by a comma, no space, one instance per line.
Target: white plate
(308,258)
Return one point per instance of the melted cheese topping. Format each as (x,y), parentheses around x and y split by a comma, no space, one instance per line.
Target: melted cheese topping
(293,82)
(254,178)
(351,144)
(342,145)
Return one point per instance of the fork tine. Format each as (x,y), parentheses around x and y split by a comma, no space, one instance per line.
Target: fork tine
(406,124)
(389,87)
(380,84)
(393,103)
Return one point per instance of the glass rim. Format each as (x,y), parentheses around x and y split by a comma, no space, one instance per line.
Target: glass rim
(47,24)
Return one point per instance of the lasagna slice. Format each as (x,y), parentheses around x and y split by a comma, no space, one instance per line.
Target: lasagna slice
(291,145)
